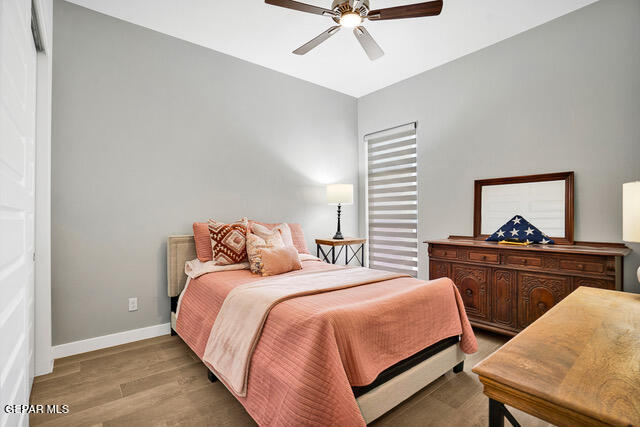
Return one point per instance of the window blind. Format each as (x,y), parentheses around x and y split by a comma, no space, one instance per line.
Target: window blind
(393,199)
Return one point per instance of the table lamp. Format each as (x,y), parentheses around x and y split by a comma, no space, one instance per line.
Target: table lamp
(339,194)
(631,213)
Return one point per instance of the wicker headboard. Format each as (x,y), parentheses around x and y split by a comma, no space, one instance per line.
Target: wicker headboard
(180,249)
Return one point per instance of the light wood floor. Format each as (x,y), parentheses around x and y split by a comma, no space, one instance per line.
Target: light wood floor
(161,382)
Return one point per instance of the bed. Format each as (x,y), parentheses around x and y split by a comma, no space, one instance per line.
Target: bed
(328,374)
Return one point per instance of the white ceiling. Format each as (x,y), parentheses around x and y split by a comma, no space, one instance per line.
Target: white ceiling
(266,35)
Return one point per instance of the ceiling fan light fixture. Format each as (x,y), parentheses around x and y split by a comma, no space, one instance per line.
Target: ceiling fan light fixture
(350,19)
(352,13)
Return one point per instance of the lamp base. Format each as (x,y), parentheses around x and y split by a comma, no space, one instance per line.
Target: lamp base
(338,235)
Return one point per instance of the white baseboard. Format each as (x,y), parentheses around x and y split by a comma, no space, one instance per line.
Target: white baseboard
(44,371)
(97,343)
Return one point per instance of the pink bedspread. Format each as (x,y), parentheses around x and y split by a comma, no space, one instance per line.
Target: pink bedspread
(314,348)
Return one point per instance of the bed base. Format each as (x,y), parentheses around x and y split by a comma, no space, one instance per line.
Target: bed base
(174,308)
(406,364)
(390,394)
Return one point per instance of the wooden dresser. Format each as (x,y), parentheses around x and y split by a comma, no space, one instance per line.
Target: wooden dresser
(506,288)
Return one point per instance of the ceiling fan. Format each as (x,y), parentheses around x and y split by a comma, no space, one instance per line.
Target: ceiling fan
(351,14)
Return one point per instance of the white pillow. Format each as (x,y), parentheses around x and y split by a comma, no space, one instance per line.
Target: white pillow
(285,232)
(265,233)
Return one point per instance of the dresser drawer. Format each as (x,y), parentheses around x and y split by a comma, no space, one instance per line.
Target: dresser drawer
(524,260)
(537,293)
(593,283)
(483,256)
(450,253)
(472,282)
(583,265)
(438,269)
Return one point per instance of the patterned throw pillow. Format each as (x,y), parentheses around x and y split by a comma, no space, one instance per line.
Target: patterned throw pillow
(266,239)
(228,241)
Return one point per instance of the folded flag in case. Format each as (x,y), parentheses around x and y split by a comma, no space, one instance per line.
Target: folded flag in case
(519,229)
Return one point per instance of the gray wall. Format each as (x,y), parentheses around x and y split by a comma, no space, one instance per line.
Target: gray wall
(151,133)
(563,96)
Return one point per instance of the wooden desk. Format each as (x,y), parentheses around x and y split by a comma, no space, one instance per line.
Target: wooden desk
(579,364)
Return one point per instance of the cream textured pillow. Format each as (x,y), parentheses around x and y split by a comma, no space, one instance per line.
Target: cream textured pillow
(266,239)
(297,235)
(270,236)
(268,232)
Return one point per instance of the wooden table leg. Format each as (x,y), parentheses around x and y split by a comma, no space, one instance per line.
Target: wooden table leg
(496,416)
(498,412)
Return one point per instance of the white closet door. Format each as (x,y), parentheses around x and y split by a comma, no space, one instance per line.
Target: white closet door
(17,155)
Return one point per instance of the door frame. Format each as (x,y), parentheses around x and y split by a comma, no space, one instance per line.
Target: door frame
(42,292)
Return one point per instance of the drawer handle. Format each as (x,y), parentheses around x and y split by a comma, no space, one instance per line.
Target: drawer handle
(524,261)
(484,257)
(469,292)
(542,306)
(581,266)
(444,253)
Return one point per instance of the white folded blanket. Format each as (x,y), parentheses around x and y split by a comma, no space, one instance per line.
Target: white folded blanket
(307,257)
(196,268)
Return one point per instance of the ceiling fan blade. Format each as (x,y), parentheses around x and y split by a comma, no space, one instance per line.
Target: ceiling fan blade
(303,7)
(430,8)
(368,43)
(305,48)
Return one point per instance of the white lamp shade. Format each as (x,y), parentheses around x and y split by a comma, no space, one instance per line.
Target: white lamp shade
(631,212)
(340,194)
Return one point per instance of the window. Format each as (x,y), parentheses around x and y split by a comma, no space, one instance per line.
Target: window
(393,199)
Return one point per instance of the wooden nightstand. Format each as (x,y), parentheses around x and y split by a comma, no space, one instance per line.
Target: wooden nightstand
(346,244)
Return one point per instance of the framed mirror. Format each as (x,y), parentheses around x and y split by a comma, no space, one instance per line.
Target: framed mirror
(546,201)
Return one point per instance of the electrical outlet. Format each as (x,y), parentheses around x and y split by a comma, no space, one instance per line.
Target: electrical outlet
(133,304)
